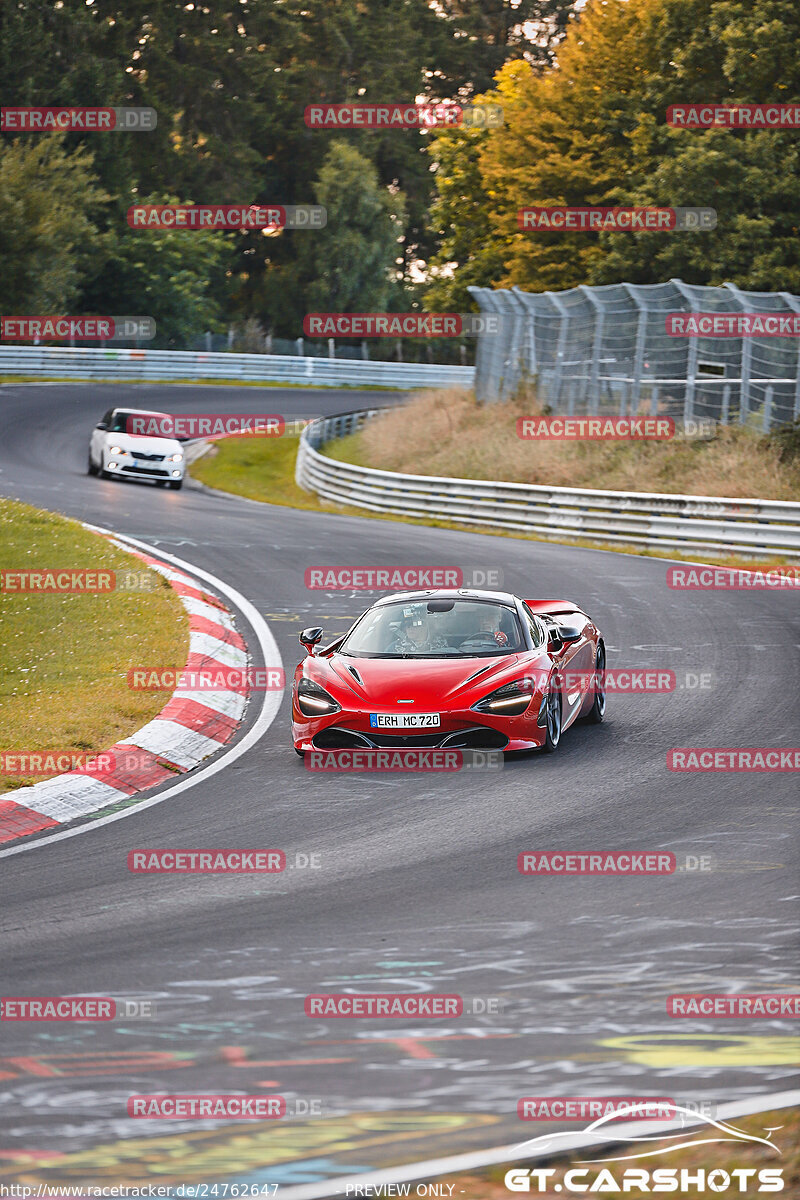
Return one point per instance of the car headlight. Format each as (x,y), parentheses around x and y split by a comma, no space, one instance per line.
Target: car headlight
(314,701)
(115,450)
(175,458)
(509,700)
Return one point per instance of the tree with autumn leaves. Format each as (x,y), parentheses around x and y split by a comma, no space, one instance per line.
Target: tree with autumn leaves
(591,130)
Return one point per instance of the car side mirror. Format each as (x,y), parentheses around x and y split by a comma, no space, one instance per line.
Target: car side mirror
(310,638)
(568,633)
(101,425)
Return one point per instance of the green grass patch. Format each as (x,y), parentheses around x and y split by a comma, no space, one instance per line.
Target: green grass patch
(64,658)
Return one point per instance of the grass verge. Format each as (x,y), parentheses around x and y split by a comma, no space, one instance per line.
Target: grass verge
(263,469)
(730,1156)
(64,658)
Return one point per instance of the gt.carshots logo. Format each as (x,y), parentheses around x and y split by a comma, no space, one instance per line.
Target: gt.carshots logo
(80,329)
(608,1174)
(392,1004)
(562,219)
(704,758)
(205,425)
(77,120)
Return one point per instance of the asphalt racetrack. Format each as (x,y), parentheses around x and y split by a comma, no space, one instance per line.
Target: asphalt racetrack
(417,887)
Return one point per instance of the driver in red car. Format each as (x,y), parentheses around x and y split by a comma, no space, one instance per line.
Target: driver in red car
(488,629)
(416,633)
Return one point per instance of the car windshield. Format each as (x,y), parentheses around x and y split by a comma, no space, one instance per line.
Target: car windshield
(122,422)
(435,629)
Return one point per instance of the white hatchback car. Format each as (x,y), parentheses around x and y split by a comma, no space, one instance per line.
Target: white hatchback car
(114,451)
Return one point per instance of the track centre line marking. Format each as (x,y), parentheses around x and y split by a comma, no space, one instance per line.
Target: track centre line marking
(269,708)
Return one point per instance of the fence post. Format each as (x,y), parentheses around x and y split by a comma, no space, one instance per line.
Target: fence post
(726,404)
(768,408)
(331,349)
(299,346)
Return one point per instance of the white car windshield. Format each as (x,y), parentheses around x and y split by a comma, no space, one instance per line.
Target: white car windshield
(436,629)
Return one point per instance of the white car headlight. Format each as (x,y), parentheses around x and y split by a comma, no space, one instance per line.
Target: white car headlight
(115,450)
(175,458)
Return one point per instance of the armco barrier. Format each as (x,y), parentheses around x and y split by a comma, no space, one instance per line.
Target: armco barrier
(136,365)
(746,527)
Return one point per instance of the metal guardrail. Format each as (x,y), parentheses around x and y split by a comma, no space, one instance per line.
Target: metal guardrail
(136,365)
(747,527)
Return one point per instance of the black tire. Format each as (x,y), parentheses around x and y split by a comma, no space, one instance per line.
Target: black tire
(299,753)
(91,469)
(552,728)
(597,712)
(176,484)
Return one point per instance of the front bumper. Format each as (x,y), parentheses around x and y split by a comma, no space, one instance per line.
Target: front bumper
(465,730)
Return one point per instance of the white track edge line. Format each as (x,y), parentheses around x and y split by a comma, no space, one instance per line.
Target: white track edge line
(498,1154)
(269,708)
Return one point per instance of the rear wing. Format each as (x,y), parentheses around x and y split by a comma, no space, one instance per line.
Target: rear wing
(552,608)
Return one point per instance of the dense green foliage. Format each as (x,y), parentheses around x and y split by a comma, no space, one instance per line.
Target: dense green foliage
(412,215)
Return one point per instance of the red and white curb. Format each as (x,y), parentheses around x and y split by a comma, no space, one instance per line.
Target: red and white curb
(193,725)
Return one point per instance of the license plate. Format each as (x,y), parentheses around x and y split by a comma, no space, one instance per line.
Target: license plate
(404,720)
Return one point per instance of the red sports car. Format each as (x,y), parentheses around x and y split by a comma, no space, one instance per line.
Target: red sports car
(466,670)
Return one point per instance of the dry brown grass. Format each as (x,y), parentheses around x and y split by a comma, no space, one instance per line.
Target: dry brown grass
(446,433)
